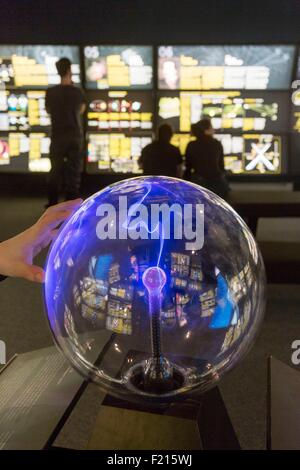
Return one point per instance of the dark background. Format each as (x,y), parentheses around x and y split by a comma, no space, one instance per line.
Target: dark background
(149,21)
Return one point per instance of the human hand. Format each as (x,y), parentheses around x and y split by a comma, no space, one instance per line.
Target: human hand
(17,253)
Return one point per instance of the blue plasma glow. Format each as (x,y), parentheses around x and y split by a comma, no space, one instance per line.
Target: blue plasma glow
(154,279)
(103,293)
(141,224)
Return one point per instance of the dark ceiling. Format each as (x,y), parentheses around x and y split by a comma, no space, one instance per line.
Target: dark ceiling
(141,21)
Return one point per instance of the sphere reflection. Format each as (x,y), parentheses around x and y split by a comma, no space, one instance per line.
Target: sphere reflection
(154,289)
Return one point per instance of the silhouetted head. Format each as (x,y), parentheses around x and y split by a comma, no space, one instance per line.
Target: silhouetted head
(165,133)
(63,66)
(202,127)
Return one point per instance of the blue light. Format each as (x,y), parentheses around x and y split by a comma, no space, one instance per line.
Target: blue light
(222,317)
(167,271)
(154,279)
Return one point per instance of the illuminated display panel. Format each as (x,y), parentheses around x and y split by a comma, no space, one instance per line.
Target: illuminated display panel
(246,153)
(120,111)
(252,67)
(115,153)
(24,152)
(23,110)
(123,67)
(228,110)
(34,66)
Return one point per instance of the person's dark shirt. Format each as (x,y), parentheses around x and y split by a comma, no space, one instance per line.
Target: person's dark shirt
(63,102)
(160,158)
(205,158)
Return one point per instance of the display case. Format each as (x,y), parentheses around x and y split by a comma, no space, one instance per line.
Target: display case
(247,91)
(26,71)
(244,67)
(118,67)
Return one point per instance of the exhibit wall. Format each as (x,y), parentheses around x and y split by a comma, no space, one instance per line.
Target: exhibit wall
(250,93)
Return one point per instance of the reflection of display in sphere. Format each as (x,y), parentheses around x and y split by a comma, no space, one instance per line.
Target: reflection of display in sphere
(154,289)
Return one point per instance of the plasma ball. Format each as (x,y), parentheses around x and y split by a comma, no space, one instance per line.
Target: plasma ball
(154,279)
(131,266)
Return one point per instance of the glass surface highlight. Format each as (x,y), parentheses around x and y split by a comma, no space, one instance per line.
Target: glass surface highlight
(155,288)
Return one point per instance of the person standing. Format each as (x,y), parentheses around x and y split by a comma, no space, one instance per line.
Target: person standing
(205,160)
(65,103)
(161,157)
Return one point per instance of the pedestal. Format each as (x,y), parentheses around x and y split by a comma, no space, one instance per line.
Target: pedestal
(201,423)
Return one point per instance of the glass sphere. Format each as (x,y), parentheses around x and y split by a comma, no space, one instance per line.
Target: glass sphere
(155,288)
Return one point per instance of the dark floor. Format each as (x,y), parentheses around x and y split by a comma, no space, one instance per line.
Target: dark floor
(23,328)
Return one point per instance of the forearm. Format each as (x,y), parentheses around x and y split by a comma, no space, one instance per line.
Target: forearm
(3,263)
(8,256)
(17,253)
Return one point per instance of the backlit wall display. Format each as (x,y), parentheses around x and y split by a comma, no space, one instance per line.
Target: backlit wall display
(23,110)
(24,152)
(260,154)
(116,153)
(245,90)
(228,110)
(119,111)
(181,141)
(246,153)
(34,66)
(123,67)
(225,67)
